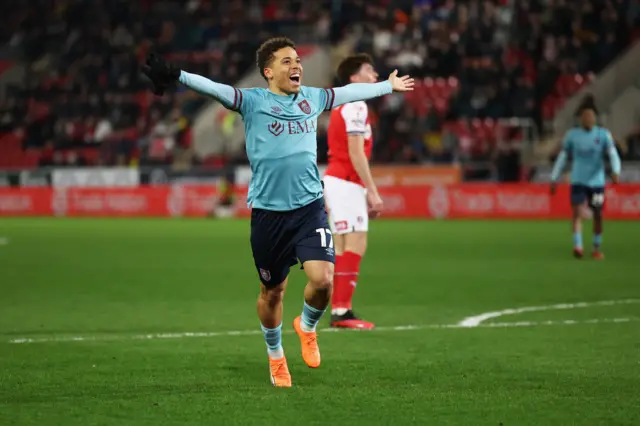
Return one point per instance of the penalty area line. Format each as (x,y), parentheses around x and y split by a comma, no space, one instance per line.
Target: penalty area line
(184,335)
(476,320)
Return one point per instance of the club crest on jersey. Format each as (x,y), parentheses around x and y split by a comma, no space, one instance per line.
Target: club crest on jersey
(305,107)
(276,128)
(266,275)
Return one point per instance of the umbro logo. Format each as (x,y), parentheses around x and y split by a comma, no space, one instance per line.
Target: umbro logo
(276,109)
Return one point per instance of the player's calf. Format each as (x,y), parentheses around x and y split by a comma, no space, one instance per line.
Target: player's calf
(347,270)
(597,230)
(317,293)
(346,281)
(576,227)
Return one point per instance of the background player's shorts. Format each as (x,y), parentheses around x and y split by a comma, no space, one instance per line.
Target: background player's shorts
(347,203)
(594,196)
(279,239)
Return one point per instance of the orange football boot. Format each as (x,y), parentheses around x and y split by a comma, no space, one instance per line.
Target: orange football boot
(280,376)
(309,343)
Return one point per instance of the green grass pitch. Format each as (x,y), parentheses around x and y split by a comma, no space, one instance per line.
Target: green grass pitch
(113,282)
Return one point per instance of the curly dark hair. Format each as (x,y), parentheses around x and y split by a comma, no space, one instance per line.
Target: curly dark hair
(265,53)
(351,65)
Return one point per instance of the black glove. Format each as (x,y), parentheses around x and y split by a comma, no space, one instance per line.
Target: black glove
(161,73)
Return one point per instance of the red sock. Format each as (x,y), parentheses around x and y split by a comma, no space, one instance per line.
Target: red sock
(345,280)
(337,297)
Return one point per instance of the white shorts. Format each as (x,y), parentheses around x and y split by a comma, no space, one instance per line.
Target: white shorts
(347,204)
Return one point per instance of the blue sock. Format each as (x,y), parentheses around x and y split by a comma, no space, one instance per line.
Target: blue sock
(597,240)
(310,318)
(577,239)
(273,337)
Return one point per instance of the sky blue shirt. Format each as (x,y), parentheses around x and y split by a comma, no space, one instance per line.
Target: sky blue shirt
(587,149)
(281,136)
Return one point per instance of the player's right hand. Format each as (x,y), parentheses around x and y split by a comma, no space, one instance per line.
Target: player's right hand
(553,188)
(375,204)
(615,178)
(161,73)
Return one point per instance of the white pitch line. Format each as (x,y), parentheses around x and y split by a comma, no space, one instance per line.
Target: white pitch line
(160,336)
(476,320)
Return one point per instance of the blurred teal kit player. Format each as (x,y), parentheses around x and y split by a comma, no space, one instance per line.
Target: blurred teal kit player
(586,146)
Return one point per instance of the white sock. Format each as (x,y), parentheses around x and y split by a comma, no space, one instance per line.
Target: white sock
(339,311)
(306,328)
(276,353)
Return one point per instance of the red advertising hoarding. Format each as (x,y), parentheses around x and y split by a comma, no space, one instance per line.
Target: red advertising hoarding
(458,201)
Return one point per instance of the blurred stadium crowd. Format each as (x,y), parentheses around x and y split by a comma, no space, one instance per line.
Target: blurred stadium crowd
(83,100)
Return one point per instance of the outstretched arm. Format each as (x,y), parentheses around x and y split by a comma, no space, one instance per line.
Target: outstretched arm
(227,95)
(363,91)
(359,92)
(163,75)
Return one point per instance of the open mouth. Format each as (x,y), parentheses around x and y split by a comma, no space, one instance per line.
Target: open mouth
(295,78)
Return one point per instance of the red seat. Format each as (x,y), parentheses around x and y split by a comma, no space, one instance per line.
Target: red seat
(441,106)
(490,126)
(12,154)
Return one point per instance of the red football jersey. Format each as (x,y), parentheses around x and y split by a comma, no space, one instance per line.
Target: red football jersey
(347,119)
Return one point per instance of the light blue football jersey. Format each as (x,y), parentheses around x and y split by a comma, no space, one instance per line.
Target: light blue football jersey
(280,133)
(281,145)
(587,149)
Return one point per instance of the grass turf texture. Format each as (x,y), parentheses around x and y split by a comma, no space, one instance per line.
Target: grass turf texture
(118,278)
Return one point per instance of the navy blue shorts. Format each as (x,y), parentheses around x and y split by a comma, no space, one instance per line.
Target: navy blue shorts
(594,196)
(280,239)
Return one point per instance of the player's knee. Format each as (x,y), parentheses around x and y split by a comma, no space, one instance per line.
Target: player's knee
(322,276)
(272,295)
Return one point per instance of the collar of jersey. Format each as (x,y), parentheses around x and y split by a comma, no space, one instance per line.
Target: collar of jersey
(282,96)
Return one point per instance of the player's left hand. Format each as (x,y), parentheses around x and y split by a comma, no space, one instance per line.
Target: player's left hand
(400,84)
(615,178)
(375,204)
(553,188)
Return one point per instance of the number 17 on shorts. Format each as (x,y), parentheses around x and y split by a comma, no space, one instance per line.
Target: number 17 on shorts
(318,245)
(326,237)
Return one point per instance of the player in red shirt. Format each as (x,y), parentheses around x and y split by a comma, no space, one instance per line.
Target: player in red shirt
(351,195)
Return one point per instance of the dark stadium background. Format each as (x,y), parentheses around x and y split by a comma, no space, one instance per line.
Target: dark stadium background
(144,313)
(72,93)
